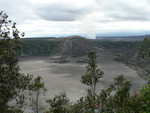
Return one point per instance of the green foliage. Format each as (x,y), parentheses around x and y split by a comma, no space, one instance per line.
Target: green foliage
(114,99)
(14,110)
(59,104)
(79,106)
(124,45)
(11,81)
(145,92)
(91,78)
(117,98)
(34,47)
(86,104)
(118,101)
(37,87)
(144,49)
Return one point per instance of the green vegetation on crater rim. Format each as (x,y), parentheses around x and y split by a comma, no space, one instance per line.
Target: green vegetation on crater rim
(73,45)
(144,49)
(37,47)
(118,44)
(139,58)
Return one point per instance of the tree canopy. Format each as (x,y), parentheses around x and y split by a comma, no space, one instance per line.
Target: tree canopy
(12,82)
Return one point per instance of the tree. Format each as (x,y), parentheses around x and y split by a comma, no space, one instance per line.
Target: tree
(91,77)
(12,82)
(59,104)
(145,93)
(118,99)
(37,87)
(117,102)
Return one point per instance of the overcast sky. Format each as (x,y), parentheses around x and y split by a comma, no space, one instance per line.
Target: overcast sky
(74,17)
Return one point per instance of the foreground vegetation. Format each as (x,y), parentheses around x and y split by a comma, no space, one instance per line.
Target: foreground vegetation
(114,99)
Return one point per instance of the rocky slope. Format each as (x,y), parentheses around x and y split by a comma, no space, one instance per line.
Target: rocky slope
(66,46)
(139,58)
(75,46)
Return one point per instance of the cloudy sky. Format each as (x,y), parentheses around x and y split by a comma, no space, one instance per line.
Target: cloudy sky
(79,17)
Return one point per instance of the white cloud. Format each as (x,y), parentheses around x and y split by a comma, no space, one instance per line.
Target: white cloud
(66,17)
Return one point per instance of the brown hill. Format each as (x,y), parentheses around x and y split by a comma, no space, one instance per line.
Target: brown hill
(74,46)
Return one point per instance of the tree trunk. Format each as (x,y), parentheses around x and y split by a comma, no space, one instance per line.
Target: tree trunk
(37,102)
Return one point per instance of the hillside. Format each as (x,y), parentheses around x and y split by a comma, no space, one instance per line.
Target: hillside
(144,50)
(38,46)
(70,46)
(75,46)
(139,58)
(116,47)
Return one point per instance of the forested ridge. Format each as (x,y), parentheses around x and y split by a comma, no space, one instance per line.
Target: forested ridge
(139,57)
(144,49)
(48,46)
(124,45)
(37,47)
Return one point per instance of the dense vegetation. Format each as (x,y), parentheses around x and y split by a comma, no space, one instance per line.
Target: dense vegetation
(12,82)
(37,47)
(114,99)
(48,46)
(144,49)
(121,45)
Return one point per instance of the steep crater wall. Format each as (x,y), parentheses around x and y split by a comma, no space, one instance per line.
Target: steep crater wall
(139,58)
(75,46)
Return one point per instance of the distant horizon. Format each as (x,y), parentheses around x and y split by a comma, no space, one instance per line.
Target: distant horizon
(97,36)
(88,18)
